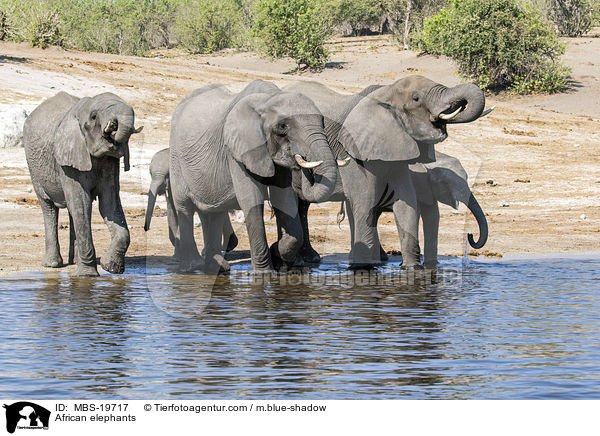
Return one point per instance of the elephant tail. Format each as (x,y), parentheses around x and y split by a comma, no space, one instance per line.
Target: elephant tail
(341,214)
(481,221)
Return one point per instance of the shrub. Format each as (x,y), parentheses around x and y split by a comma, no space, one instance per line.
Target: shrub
(501,44)
(205,26)
(359,14)
(295,28)
(572,17)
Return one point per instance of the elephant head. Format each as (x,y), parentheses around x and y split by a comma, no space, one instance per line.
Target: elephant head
(96,126)
(448,182)
(159,171)
(284,129)
(402,121)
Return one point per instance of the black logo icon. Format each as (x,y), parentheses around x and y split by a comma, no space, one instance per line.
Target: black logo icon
(26,415)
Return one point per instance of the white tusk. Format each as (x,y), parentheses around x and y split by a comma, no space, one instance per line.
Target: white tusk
(110,127)
(304,164)
(343,162)
(487,111)
(452,115)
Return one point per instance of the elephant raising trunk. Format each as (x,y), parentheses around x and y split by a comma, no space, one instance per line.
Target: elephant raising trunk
(461,104)
(481,220)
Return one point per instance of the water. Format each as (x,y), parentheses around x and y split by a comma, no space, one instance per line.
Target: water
(522,329)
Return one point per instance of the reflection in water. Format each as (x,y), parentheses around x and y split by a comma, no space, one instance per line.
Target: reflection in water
(521,329)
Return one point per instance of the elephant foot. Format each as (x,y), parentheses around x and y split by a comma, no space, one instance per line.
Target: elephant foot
(431,264)
(309,255)
(187,265)
(113,264)
(357,266)
(231,243)
(216,264)
(86,271)
(53,261)
(414,267)
(279,263)
(383,255)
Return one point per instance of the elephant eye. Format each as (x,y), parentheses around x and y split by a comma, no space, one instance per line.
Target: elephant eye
(281,129)
(93,115)
(415,98)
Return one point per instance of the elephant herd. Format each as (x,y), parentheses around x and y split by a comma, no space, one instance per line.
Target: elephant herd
(301,144)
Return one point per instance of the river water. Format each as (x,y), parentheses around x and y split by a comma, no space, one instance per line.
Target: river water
(519,329)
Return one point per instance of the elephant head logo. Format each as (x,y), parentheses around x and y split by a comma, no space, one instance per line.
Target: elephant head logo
(26,415)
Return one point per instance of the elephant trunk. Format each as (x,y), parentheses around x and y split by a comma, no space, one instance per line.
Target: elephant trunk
(152,194)
(318,184)
(475,209)
(122,125)
(463,103)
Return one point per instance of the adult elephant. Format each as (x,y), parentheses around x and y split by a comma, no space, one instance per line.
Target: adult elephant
(231,151)
(73,146)
(444,181)
(380,131)
(159,172)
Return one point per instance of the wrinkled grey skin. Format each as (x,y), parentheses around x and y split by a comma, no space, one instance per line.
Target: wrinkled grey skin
(233,151)
(73,147)
(382,133)
(159,171)
(444,181)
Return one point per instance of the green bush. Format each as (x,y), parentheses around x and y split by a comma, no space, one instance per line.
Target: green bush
(205,26)
(572,17)
(359,14)
(295,28)
(500,44)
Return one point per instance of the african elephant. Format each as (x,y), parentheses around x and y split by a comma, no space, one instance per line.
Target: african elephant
(232,151)
(380,131)
(444,181)
(73,146)
(159,171)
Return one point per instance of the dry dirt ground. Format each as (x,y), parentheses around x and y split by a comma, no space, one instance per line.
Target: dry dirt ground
(533,163)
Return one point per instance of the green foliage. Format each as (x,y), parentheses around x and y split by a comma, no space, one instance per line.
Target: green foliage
(34,21)
(572,17)
(359,14)
(205,26)
(501,44)
(295,28)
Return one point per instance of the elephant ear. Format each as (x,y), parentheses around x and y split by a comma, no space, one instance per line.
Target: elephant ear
(70,148)
(243,133)
(448,180)
(373,131)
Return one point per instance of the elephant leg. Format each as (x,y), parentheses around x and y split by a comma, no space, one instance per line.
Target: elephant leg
(189,258)
(173,228)
(111,210)
(365,248)
(230,240)
(308,253)
(431,223)
(251,195)
(407,222)
(52,257)
(212,223)
(79,204)
(382,254)
(72,239)
(287,247)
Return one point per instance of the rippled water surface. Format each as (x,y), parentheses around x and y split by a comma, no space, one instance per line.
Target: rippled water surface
(515,329)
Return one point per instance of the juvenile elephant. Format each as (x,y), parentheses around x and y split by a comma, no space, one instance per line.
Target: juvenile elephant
(228,150)
(444,181)
(159,171)
(73,146)
(380,131)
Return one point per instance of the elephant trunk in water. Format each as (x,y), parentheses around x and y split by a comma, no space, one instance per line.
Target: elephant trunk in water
(318,184)
(481,220)
(462,104)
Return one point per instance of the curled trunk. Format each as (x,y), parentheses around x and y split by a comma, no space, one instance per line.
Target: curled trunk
(318,184)
(469,97)
(481,221)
